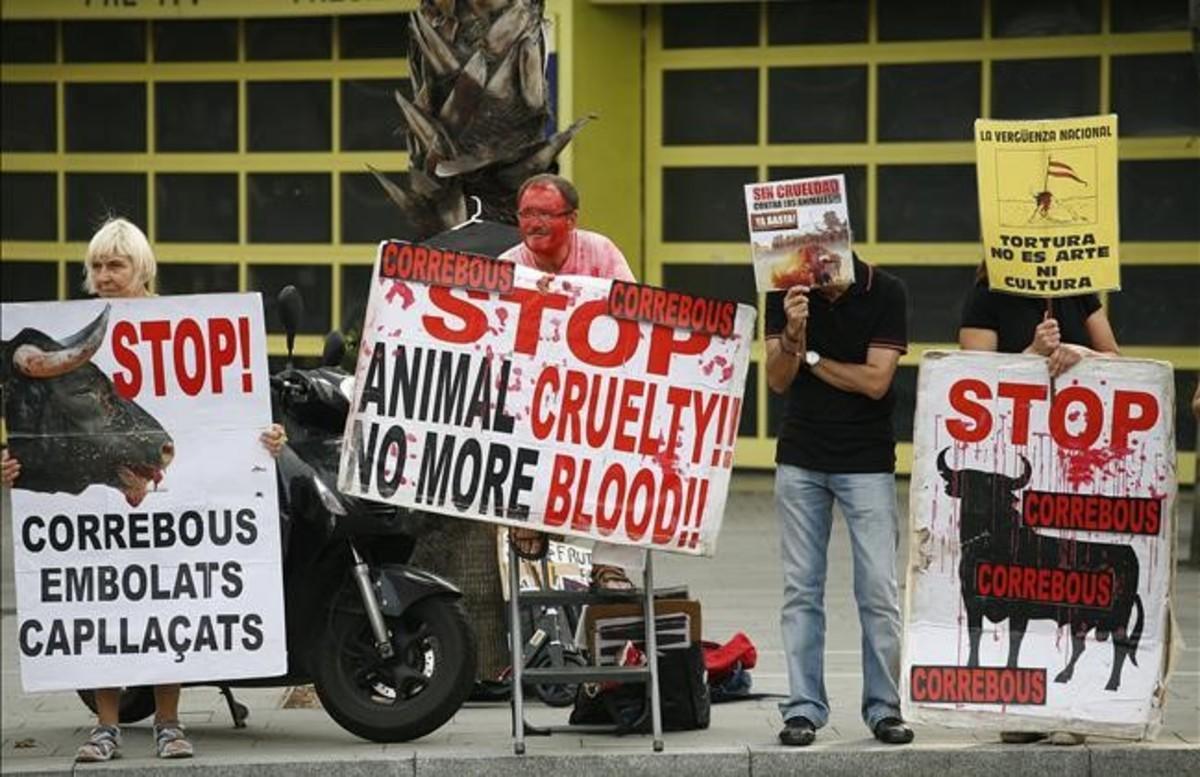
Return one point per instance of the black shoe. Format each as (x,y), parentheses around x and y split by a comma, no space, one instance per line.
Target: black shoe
(797,732)
(893,731)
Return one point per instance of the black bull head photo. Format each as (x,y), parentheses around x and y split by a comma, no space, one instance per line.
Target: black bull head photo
(67,424)
(991,534)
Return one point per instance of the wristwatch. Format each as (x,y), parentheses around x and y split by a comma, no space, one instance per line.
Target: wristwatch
(812,359)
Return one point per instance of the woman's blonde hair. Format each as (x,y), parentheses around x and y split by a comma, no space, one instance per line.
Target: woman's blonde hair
(119,237)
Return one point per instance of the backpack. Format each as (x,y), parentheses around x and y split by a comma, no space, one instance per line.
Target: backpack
(683,689)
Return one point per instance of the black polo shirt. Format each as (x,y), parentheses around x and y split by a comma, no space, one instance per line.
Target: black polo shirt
(824,428)
(1014,318)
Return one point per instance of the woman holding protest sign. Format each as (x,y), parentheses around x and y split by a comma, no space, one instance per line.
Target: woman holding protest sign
(1065,330)
(120,264)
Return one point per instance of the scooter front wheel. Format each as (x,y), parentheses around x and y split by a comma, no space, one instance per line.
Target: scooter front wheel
(137,702)
(409,695)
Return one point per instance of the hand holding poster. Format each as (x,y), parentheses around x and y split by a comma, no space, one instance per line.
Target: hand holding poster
(1041,545)
(1048,204)
(539,401)
(145,522)
(799,233)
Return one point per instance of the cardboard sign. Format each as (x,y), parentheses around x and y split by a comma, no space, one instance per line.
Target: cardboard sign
(533,405)
(800,233)
(608,627)
(144,519)
(1041,545)
(1048,204)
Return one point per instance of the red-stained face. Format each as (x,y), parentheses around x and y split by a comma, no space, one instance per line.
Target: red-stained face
(547,223)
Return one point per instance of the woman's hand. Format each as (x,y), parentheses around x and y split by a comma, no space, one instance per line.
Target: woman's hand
(10,468)
(1064,358)
(1046,338)
(274,439)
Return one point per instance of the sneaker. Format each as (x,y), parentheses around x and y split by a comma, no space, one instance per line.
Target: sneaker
(797,732)
(1066,738)
(1022,737)
(892,731)
(103,744)
(170,742)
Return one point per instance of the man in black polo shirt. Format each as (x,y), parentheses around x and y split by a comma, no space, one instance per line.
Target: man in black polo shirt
(833,352)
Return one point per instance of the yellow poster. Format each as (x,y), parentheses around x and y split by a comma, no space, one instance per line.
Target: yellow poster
(1048,204)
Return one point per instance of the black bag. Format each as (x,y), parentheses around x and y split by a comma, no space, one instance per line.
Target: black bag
(682,685)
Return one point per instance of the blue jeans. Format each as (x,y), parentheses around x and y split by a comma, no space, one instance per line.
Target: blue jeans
(804,503)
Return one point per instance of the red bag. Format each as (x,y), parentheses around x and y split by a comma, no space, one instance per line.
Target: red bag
(721,660)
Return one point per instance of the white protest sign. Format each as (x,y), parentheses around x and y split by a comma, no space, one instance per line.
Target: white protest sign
(144,519)
(799,233)
(530,404)
(1041,545)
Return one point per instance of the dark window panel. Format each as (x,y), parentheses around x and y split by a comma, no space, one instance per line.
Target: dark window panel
(817,104)
(705,204)
(106,117)
(1156,94)
(368,215)
(748,418)
(195,116)
(196,207)
(930,20)
(904,388)
(28,206)
(356,288)
(197,278)
(1025,18)
(371,120)
(93,198)
(27,117)
(75,275)
(935,299)
(123,41)
(195,40)
(718,281)
(22,281)
(1158,199)
(289,207)
(928,102)
(303,38)
(710,106)
(1045,88)
(697,25)
(289,116)
(312,281)
(373,36)
(1185,422)
(1149,15)
(1156,305)
(936,203)
(856,191)
(817,21)
(26,42)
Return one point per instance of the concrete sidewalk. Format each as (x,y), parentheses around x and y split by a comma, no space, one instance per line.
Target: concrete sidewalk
(740,590)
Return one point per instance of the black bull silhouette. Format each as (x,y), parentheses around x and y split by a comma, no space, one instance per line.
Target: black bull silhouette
(67,424)
(991,531)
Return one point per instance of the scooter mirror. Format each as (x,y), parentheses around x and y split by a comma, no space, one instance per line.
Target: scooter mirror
(291,310)
(335,349)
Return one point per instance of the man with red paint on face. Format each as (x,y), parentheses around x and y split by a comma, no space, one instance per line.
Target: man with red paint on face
(548,217)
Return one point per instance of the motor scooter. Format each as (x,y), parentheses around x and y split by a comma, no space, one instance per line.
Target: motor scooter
(388,647)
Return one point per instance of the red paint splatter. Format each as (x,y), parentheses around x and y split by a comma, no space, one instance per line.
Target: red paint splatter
(400,289)
(1080,467)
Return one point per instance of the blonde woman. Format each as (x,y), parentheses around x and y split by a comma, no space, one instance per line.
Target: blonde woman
(120,265)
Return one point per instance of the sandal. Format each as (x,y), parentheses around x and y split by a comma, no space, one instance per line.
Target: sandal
(103,744)
(606,577)
(169,741)
(529,544)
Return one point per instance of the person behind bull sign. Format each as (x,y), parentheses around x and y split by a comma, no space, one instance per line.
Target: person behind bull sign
(1072,329)
(548,217)
(833,352)
(120,264)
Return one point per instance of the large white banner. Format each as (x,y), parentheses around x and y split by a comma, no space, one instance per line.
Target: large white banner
(144,519)
(574,405)
(1041,546)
